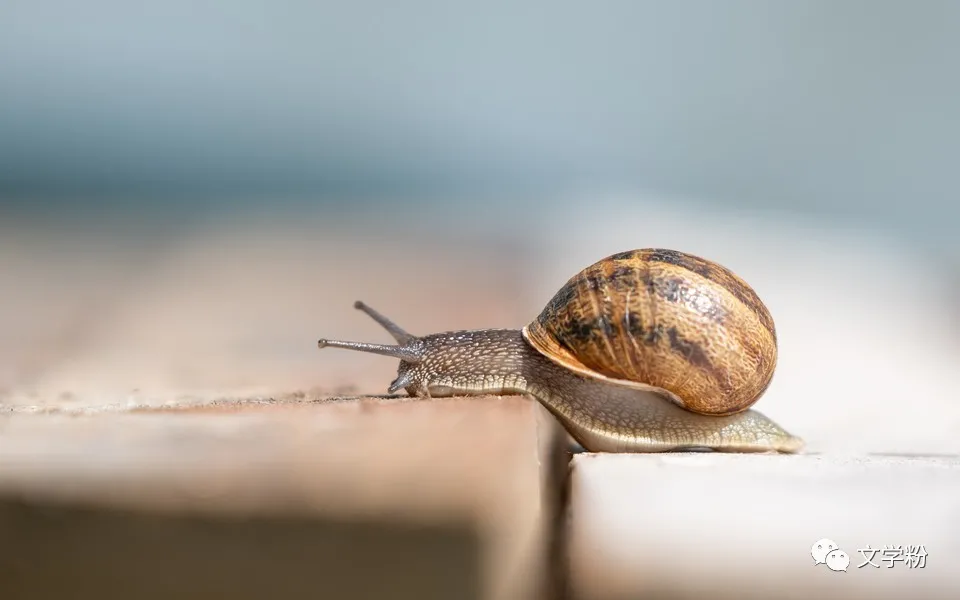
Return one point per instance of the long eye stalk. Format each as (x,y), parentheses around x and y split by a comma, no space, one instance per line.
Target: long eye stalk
(405,351)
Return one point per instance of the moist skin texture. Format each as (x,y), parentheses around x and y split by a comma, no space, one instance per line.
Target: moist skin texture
(601,415)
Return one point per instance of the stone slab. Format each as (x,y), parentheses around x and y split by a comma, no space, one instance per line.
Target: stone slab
(363,499)
(742,527)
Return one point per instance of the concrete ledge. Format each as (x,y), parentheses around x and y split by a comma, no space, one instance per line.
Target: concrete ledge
(740,526)
(364,499)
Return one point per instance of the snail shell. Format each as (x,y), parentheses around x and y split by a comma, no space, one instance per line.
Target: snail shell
(666,321)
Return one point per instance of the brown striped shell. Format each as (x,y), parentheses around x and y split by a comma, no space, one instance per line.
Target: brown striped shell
(677,324)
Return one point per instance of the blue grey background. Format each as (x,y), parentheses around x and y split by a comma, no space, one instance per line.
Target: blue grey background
(844,111)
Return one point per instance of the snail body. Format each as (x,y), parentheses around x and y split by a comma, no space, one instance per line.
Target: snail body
(648,350)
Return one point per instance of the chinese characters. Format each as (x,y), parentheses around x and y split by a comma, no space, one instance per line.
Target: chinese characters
(913,557)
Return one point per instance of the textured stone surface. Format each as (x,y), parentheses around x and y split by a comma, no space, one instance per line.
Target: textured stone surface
(403,499)
(248,480)
(741,526)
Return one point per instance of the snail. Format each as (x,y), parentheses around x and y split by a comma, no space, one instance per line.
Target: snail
(648,350)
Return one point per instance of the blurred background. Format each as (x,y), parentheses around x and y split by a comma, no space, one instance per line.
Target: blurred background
(193,192)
